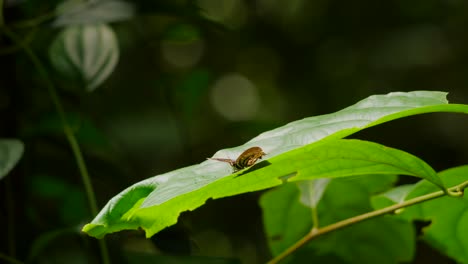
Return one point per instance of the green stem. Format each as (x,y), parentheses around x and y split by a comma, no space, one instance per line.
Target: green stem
(317,232)
(9,259)
(315,218)
(34,22)
(10,208)
(2,20)
(67,130)
(26,40)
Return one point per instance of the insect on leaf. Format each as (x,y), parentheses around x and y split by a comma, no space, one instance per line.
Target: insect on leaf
(293,150)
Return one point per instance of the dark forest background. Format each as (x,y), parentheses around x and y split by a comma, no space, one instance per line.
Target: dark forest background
(197,76)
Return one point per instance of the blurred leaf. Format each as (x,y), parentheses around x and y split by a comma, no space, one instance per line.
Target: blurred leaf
(191,89)
(189,10)
(48,187)
(181,33)
(84,129)
(44,240)
(155,203)
(380,240)
(448,215)
(85,53)
(78,12)
(68,201)
(142,258)
(11,151)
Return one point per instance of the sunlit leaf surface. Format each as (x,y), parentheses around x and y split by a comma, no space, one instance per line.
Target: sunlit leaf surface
(156,203)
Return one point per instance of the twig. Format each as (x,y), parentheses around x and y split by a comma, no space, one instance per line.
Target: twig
(316,232)
(67,130)
(9,259)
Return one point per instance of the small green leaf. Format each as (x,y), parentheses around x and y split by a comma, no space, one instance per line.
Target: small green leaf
(379,240)
(11,151)
(289,151)
(79,12)
(85,53)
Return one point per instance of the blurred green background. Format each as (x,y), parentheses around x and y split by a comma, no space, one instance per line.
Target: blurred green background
(196,76)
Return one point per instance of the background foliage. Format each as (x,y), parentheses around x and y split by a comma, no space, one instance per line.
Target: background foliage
(193,77)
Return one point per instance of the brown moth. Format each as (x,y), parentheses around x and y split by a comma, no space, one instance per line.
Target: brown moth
(246,159)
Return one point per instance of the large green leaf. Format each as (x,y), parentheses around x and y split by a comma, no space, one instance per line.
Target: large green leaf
(155,203)
(380,240)
(448,215)
(328,159)
(11,151)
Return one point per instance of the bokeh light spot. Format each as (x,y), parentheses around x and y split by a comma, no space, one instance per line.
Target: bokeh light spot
(182,54)
(231,13)
(235,97)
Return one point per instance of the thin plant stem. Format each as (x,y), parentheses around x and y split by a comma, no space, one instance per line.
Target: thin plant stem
(2,20)
(34,22)
(317,232)
(67,130)
(28,38)
(315,218)
(10,217)
(9,198)
(9,259)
